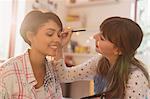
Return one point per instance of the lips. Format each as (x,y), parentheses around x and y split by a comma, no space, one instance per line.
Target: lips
(53,46)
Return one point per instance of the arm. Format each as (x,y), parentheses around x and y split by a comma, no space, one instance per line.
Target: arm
(137,86)
(84,71)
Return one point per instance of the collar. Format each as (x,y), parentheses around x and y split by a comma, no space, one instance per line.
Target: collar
(28,69)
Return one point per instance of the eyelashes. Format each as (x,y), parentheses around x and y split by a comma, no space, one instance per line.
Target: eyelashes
(59,34)
(50,33)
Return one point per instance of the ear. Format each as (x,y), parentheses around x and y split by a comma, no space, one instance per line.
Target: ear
(29,35)
(117,51)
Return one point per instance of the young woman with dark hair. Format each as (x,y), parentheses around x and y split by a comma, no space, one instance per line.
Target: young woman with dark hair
(123,75)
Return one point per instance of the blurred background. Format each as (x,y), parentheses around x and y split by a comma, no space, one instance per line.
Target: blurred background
(78,14)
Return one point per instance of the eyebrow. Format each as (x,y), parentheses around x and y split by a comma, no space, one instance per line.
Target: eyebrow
(51,29)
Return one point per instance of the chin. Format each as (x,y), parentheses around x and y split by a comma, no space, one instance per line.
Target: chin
(51,53)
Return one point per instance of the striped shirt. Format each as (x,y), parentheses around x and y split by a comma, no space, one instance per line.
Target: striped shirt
(17,80)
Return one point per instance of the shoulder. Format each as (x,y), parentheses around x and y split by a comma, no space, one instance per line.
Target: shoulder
(8,67)
(137,76)
(137,85)
(96,57)
(94,60)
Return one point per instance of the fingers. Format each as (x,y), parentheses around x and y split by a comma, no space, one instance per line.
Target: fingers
(67,32)
(66,36)
(67,29)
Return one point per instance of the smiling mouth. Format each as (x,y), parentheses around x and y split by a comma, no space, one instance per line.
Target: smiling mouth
(53,46)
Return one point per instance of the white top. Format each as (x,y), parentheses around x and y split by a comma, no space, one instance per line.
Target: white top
(40,93)
(136,88)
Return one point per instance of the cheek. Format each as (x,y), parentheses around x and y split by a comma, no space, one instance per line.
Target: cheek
(45,40)
(42,43)
(104,48)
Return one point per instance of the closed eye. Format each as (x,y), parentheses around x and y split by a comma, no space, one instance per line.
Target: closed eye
(50,32)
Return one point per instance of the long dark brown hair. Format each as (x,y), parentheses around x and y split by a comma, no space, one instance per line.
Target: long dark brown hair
(127,36)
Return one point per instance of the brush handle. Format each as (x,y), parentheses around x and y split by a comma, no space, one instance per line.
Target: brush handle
(78,30)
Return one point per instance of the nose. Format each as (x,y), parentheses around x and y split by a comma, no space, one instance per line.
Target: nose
(57,38)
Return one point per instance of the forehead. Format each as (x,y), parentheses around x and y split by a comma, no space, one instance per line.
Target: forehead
(50,24)
(105,34)
(100,34)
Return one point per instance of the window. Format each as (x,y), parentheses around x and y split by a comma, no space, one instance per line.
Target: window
(143,19)
(143,15)
(12,12)
(5,27)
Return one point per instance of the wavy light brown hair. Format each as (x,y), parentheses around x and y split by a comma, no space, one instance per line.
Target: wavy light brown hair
(127,36)
(35,19)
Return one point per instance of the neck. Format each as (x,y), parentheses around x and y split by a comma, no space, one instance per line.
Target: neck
(112,60)
(37,59)
(38,66)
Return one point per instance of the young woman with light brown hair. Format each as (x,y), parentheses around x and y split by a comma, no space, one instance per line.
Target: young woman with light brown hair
(31,75)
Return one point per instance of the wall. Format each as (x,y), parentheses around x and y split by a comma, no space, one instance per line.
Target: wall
(97,13)
(60,9)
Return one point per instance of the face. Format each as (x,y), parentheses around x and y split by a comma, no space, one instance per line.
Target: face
(104,46)
(46,39)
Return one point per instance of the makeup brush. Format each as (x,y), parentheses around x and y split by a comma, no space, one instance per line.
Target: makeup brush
(65,34)
(80,30)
